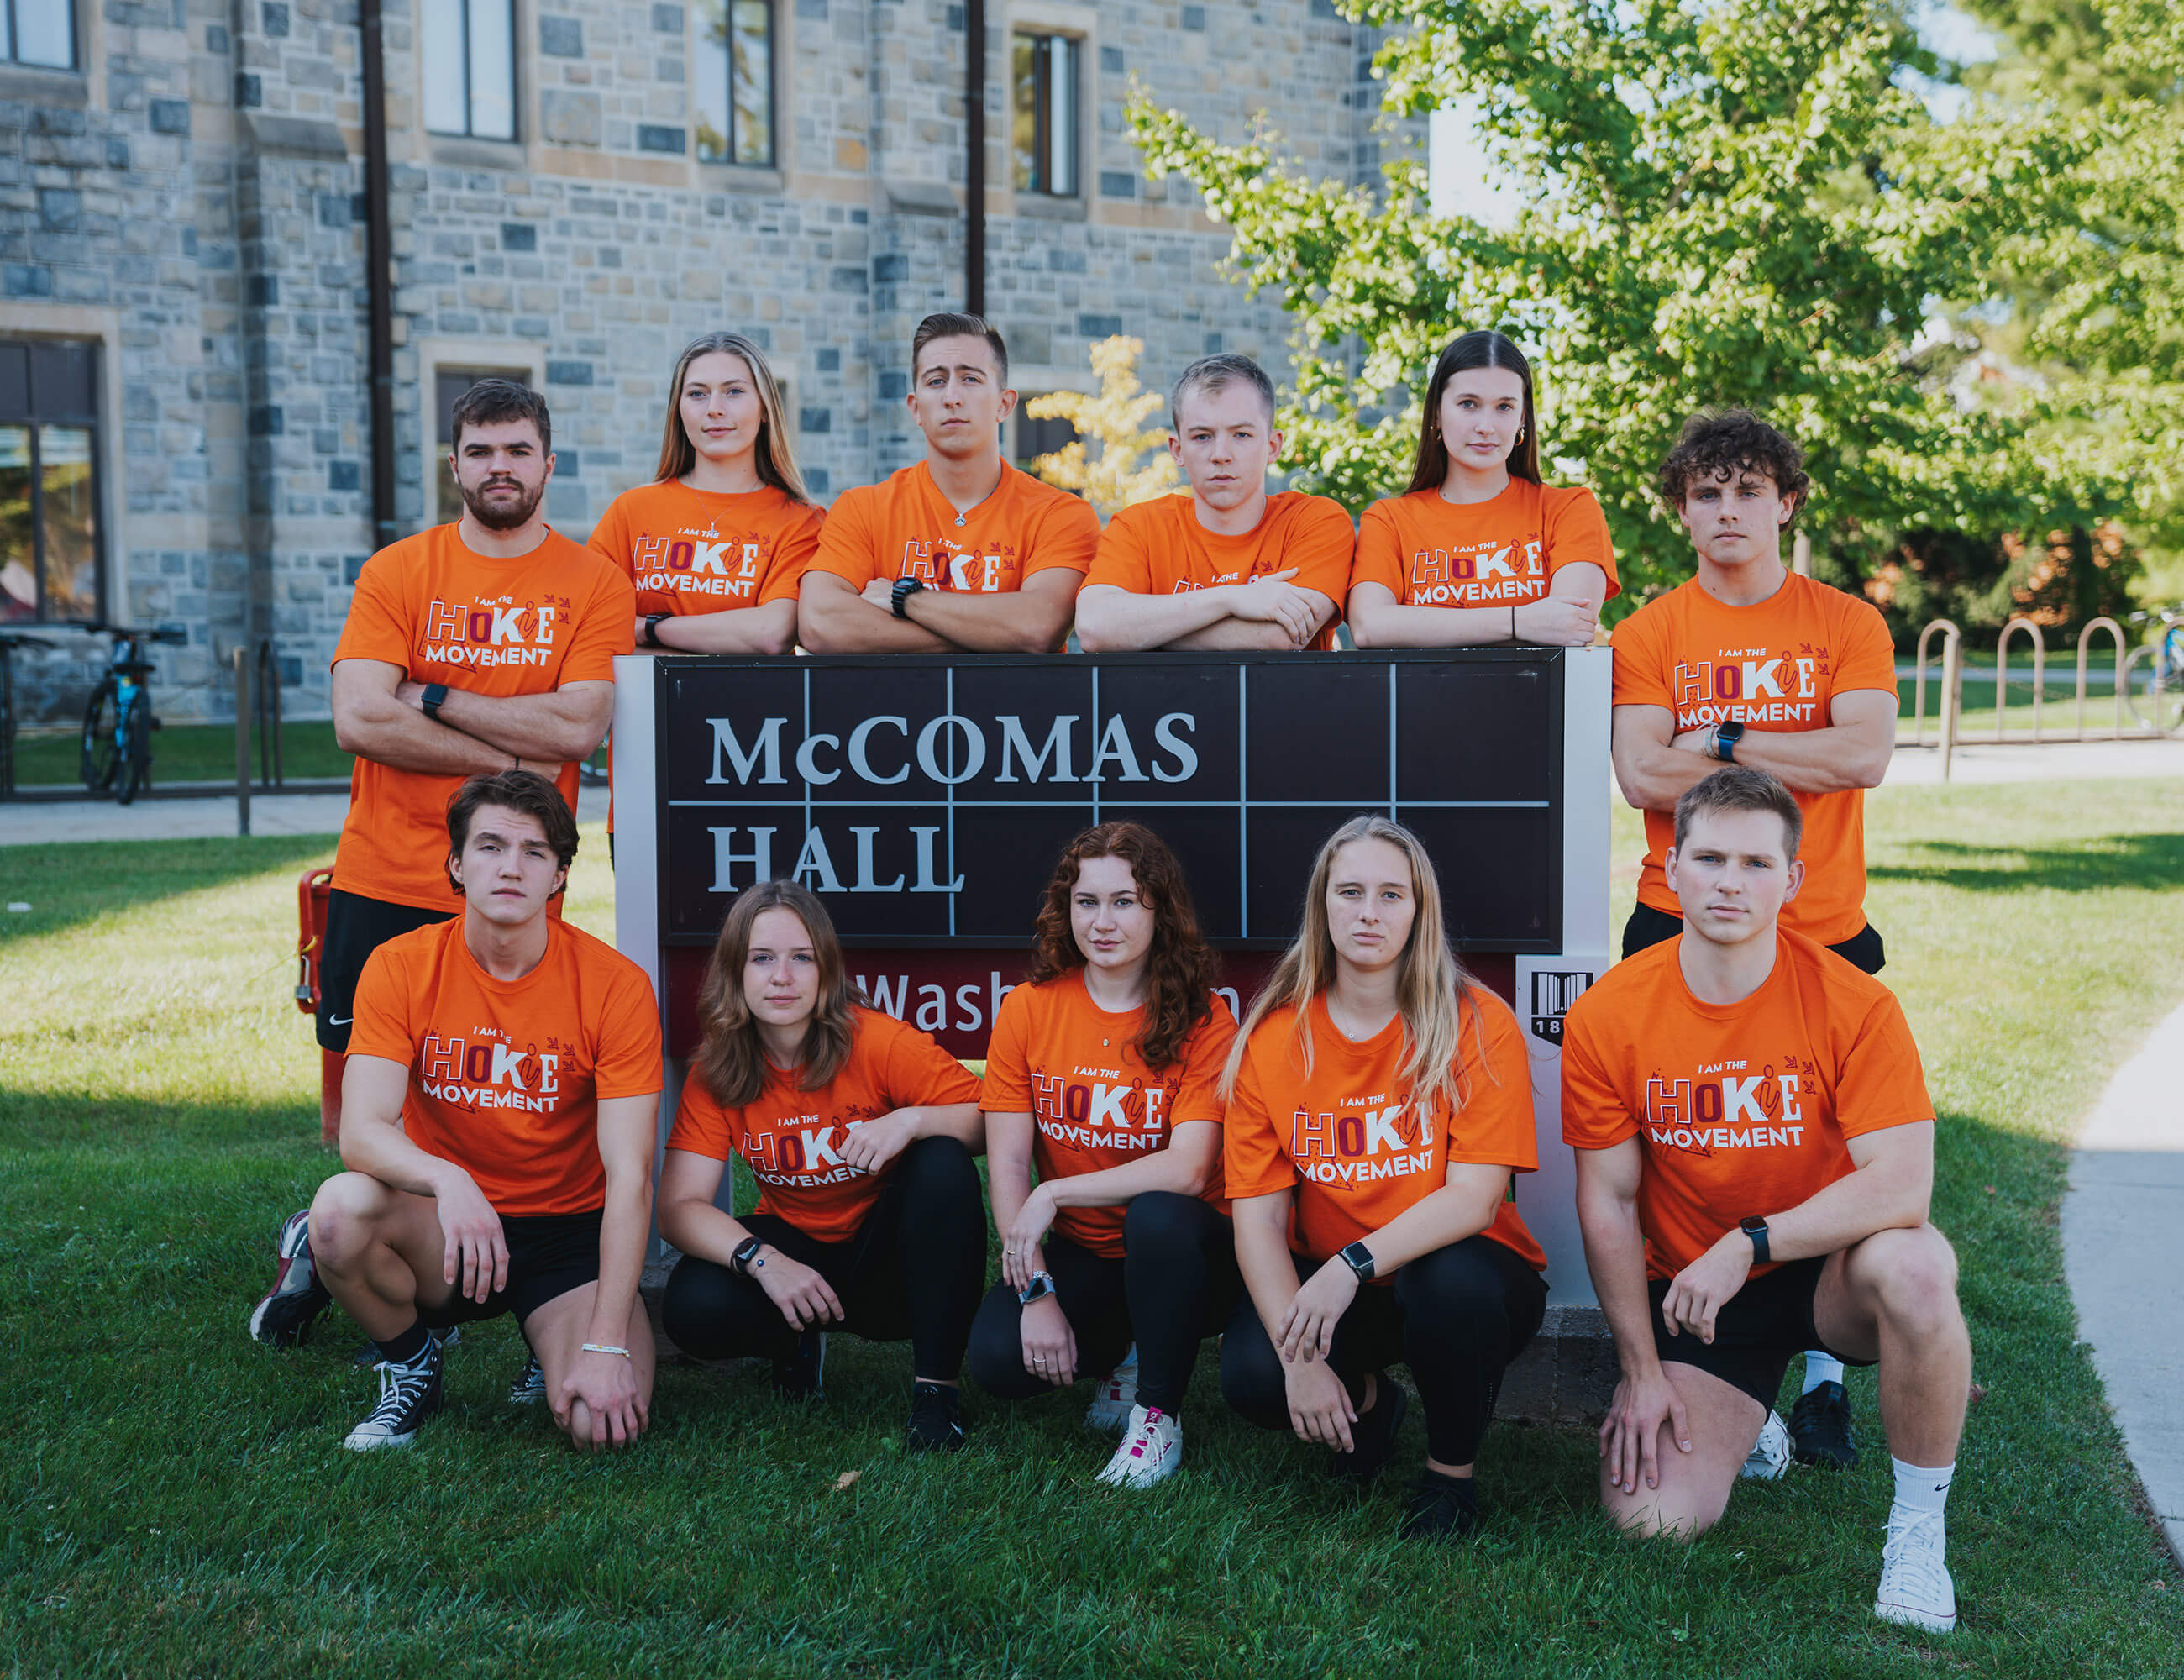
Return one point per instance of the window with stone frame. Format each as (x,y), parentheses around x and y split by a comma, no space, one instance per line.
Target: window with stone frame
(38,32)
(449,384)
(1035,437)
(467,48)
(49,533)
(736,118)
(1045,72)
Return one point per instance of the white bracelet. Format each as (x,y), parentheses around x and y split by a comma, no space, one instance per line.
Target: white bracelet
(602,1348)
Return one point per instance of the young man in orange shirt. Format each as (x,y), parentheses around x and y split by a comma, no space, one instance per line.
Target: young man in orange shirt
(1749,664)
(1755,1164)
(1228,566)
(961,552)
(502,1085)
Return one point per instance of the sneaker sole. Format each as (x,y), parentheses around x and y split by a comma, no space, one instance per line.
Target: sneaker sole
(284,1317)
(1906,1615)
(378,1442)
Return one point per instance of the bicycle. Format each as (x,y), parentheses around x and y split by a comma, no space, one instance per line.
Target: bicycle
(118,719)
(2161,708)
(11,640)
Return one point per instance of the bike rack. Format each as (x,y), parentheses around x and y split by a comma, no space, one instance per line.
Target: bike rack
(269,773)
(2002,675)
(1918,701)
(2084,640)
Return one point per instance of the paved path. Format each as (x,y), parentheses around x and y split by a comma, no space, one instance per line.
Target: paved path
(25,824)
(2123,1252)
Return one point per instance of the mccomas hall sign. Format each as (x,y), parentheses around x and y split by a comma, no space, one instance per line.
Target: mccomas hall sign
(925,799)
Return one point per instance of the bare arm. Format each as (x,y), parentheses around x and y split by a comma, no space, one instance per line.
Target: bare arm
(688,1216)
(565,724)
(832,617)
(1262,1255)
(1644,1402)
(1567,618)
(371,723)
(1654,765)
(1183,1167)
(627,1130)
(475,1259)
(770,629)
(1032,619)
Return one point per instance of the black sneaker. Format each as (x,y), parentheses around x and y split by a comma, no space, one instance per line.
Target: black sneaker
(936,1420)
(530,1387)
(408,1395)
(1442,1508)
(284,1317)
(801,1376)
(1820,1428)
(1372,1437)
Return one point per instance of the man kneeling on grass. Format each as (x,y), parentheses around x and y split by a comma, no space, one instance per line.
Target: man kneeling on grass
(497,1122)
(1752,1129)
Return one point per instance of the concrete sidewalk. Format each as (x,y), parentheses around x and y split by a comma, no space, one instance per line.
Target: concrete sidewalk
(75,819)
(2123,1252)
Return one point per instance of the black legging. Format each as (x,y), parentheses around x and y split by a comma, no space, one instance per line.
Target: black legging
(1175,1286)
(912,1269)
(1456,1316)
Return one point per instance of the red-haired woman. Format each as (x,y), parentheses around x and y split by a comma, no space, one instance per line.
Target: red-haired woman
(1101,1074)
(859,1130)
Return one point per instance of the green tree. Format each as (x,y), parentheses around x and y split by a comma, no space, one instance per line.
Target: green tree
(1742,202)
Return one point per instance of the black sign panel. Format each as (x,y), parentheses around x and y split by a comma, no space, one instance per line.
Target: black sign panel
(925,797)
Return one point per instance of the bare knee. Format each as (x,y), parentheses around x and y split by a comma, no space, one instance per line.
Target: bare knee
(1910,1276)
(345,1217)
(1648,1515)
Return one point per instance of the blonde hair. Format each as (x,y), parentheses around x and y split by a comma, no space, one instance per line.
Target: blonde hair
(731,1059)
(1433,989)
(773,457)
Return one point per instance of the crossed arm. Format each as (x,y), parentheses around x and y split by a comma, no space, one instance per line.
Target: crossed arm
(1567,618)
(377,715)
(834,616)
(767,629)
(1268,612)
(1654,765)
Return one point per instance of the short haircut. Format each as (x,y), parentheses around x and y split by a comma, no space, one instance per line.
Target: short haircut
(1740,788)
(958,327)
(492,401)
(1717,444)
(526,792)
(1211,374)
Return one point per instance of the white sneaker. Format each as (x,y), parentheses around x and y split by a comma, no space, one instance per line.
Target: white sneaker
(1115,1399)
(1915,1588)
(408,1395)
(1152,1450)
(1770,1456)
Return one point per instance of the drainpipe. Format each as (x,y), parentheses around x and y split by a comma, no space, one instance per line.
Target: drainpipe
(379,276)
(974,171)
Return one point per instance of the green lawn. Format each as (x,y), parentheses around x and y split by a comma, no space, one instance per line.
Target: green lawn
(187,752)
(173,1500)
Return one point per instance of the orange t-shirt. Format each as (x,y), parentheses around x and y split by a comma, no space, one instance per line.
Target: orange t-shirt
(789,1134)
(695,551)
(440,613)
(1778,665)
(1057,1056)
(1158,548)
(904,527)
(1357,1153)
(506,1077)
(1743,1110)
(1501,553)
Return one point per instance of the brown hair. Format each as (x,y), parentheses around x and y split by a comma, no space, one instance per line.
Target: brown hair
(1484,348)
(1741,788)
(526,792)
(730,1059)
(774,457)
(1181,970)
(1717,444)
(1212,374)
(492,401)
(958,327)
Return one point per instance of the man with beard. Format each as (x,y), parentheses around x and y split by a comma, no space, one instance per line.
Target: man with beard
(471,649)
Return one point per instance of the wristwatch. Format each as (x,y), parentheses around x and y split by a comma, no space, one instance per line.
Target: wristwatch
(652,629)
(435,694)
(1040,1287)
(1723,744)
(1359,1258)
(746,1256)
(1756,1229)
(905,588)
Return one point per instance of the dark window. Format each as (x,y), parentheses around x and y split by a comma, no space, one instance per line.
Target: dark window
(49,536)
(1037,438)
(449,384)
(735,83)
(1044,133)
(41,32)
(469,51)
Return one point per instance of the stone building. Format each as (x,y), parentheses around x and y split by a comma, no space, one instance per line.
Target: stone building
(573,188)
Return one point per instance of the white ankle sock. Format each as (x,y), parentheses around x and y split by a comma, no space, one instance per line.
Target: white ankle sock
(1919,1490)
(1820,1368)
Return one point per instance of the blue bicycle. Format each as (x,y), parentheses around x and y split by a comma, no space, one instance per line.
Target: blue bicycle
(2159,706)
(118,720)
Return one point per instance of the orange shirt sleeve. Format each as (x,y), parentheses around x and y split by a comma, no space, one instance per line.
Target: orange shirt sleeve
(379,623)
(608,627)
(1125,556)
(1641,677)
(1205,1054)
(1321,545)
(921,1075)
(1881,1083)
(702,1126)
(1864,657)
(610,537)
(1594,1114)
(846,541)
(1577,534)
(1068,536)
(1380,558)
(1495,1126)
(627,1061)
(1008,1088)
(793,551)
(382,1012)
(1252,1160)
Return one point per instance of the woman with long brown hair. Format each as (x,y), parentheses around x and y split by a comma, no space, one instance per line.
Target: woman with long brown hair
(1478,550)
(859,1130)
(1378,1102)
(1101,1074)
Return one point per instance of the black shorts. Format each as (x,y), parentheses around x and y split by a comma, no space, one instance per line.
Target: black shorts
(1649,926)
(1766,1325)
(548,1254)
(356,927)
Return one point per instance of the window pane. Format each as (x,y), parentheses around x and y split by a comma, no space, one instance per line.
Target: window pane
(750,80)
(492,69)
(712,78)
(19,576)
(1023,122)
(1062,116)
(45,33)
(71,522)
(449,385)
(446,110)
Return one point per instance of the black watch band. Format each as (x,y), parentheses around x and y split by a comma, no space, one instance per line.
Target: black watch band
(746,1252)
(652,629)
(905,588)
(434,695)
(1756,1229)
(1359,1258)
